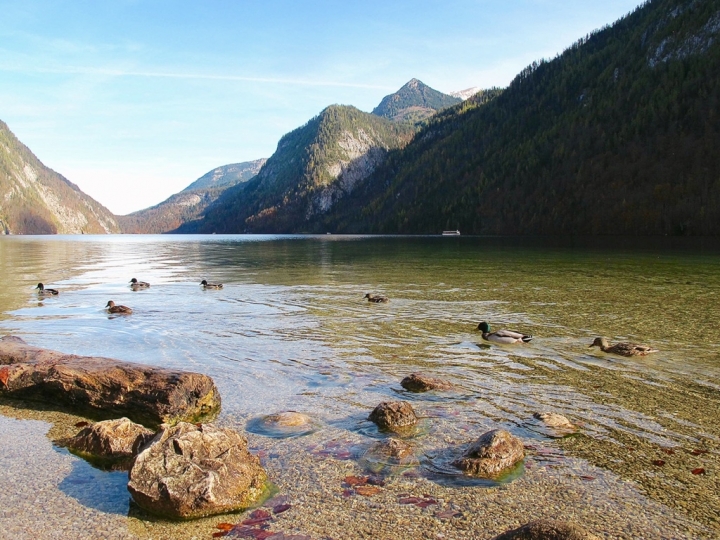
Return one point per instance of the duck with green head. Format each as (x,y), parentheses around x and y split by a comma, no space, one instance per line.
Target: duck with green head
(136,285)
(207,285)
(505,337)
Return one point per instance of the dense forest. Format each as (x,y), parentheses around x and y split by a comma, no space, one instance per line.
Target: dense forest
(617,135)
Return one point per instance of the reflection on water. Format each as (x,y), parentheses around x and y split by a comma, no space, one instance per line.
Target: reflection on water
(291,330)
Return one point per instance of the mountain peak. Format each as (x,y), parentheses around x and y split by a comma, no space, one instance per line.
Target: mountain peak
(415,101)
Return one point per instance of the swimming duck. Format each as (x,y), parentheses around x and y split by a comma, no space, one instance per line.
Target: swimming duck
(207,285)
(506,337)
(135,284)
(376,298)
(42,290)
(623,349)
(112,308)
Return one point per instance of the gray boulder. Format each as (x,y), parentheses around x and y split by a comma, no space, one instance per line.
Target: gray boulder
(545,529)
(189,471)
(492,454)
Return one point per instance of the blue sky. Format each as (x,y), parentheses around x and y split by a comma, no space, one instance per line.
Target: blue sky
(134,100)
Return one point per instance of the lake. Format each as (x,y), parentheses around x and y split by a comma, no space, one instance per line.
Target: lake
(291,330)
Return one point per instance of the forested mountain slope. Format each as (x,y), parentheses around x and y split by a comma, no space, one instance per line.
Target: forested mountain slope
(36,200)
(190,203)
(313,167)
(617,135)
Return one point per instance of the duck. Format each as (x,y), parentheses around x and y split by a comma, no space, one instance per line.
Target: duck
(376,298)
(123,310)
(506,337)
(623,349)
(135,284)
(42,290)
(207,285)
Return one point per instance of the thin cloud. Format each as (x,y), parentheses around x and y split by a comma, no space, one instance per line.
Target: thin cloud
(193,76)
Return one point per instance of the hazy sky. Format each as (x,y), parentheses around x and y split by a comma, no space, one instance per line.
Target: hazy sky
(134,100)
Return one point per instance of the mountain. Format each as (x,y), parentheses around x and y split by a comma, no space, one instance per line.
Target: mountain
(464,94)
(413,102)
(617,135)
(190,203)
(313,167)
(227,175)
(36,200)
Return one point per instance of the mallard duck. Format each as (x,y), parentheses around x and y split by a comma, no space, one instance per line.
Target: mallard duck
(42,290)
(502,336)
(376,298)
(207,285)
(112,308)
(623,349)
(135,284)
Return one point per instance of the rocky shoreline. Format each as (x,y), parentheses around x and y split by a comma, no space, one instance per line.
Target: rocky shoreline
(206,463)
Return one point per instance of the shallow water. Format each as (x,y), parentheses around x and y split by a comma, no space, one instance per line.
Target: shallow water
(291,331)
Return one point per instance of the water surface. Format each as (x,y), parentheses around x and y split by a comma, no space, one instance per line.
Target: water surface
(291,331)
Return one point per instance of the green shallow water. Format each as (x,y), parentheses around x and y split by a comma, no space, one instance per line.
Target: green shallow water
(291,331)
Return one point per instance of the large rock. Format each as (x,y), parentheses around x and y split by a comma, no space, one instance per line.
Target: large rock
(110,439)
(190,471)
(544,529)
(107,388)
(395,416)
(493,453)
(417,382)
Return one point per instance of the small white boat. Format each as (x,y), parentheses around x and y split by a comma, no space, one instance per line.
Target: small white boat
(451,233)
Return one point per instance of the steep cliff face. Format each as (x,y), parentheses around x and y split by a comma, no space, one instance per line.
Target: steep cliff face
(313,167)
(191,203)
(36,200)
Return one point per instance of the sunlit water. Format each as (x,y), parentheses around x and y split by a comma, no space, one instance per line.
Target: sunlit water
(291,330)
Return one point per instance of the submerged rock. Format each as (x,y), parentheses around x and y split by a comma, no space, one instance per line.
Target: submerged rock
(110,439)
(288,419)
(493,453)
(545,529)
(107,387)
(190,471)
(417,382)
(394,416)
(390,455)
(554,420)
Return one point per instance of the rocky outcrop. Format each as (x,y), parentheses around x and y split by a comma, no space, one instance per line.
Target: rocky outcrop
(492,454)
(394,416)
(545,529)
(109,439)
(190,471)
(417,382)
(105,387)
